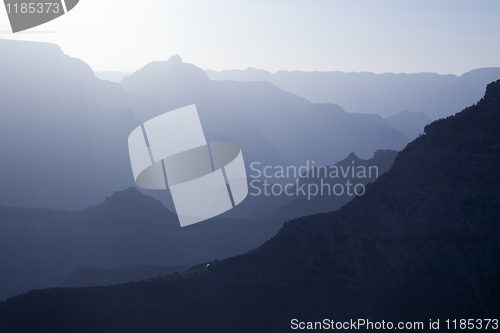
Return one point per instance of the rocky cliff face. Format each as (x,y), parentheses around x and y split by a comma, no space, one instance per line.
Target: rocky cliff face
(430,223)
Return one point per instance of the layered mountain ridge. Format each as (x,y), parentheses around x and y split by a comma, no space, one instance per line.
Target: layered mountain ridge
(63,132)
(272,126)
(385,94)
(129,229)
(423,242)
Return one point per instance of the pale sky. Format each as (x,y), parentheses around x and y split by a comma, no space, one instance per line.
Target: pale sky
(446,37)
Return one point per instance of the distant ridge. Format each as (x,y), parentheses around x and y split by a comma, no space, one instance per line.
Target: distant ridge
(385,94)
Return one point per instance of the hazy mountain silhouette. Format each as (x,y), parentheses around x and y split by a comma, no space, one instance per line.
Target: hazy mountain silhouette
(65,147)
(385,94)
(272,126)
(261,209)
(62,131)
(422,243)
(40,247)
(130,229)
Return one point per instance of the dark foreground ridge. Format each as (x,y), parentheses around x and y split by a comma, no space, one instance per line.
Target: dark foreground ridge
(422,243)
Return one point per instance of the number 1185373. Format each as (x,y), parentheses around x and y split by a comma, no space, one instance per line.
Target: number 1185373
(33,8)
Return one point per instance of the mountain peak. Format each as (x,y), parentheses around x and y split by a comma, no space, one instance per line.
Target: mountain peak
(169,81)
(156,67)
(351,158)
(352,155)
(129,196)
(255,70)
(133,205)
(174,60)
(130,191)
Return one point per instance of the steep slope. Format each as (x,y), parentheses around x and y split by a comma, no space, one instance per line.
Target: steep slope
(130,229)
(423,243)
(426,233)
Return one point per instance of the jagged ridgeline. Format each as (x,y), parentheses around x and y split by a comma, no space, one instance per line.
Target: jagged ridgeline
(422,243)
